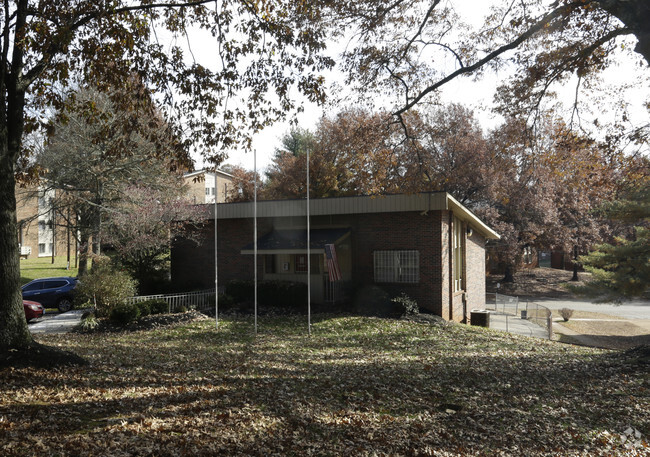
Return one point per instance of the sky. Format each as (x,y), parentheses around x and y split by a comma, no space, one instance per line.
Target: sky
(474,94)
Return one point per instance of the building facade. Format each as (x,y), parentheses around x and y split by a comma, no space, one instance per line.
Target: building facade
(204,186)
(40,234)
(426,245)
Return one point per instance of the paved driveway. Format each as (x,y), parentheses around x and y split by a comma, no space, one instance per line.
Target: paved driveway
(637,309)
(57,323)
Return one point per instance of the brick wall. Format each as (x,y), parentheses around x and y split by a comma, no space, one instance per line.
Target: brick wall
(27,213)
(400,231)
(475,255)
(193,265)
(27,216)
(195,190)
(430,234)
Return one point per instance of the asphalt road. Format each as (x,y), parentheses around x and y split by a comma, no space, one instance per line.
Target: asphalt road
(636,309)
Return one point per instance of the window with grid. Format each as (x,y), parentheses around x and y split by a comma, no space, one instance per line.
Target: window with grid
(397,266)
(300,263)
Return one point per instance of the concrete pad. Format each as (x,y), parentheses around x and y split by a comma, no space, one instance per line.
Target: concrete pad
(61,323)
(514,324)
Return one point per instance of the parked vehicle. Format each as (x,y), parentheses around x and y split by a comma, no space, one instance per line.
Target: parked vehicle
(33,310)
(51,292)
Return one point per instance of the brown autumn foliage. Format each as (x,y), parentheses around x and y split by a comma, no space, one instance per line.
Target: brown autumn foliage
(356,387)
(537,190)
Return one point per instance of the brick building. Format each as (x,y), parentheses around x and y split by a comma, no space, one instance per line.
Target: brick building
(203,186)
(39,232)
(426,245)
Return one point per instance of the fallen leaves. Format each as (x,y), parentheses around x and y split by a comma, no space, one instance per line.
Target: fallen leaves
(358,386)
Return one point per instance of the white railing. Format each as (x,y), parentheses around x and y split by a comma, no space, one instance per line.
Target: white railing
(200,300)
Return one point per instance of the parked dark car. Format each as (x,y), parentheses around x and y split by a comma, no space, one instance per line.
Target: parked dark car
(51,292)
(33,310)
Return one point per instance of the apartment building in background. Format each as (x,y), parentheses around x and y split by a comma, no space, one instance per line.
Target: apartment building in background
(40,234)
(204,186)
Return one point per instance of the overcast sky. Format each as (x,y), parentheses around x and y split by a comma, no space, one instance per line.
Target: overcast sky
(477,95)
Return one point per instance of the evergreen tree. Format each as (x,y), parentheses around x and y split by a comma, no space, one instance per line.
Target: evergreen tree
(621,270)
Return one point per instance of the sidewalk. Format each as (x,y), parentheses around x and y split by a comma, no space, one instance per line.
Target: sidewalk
(61,323)
(514,324)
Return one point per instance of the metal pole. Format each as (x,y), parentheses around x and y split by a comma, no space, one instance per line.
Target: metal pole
(308,256)
(255,231)
(216,249)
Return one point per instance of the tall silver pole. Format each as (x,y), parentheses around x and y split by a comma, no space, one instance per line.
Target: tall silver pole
(216,276)
(255,231)
(308,256)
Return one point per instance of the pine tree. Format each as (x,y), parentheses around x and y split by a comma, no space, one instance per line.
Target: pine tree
(621,270)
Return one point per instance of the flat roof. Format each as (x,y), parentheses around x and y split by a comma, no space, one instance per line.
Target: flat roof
(420,202)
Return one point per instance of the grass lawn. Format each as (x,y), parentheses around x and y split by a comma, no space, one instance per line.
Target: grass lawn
(357,387)
(42,267)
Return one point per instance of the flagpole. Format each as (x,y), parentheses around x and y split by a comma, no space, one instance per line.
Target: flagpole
(216,276)
(308,256)
(255,231)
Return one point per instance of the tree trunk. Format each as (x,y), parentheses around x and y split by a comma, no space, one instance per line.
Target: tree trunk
(508,277)
(13,326)
(635,14)
(84,239)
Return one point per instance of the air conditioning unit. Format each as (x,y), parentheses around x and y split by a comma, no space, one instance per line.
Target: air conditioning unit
(25,250)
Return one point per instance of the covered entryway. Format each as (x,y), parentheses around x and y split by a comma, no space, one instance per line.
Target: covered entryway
(284,254)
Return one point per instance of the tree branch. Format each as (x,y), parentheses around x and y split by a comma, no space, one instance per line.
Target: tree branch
(535,28)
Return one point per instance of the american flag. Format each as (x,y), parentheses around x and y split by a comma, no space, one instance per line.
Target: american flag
(332,263)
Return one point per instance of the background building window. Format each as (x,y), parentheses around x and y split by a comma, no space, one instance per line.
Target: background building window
(397,266)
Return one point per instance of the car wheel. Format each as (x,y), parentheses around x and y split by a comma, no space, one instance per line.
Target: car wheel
(64,305)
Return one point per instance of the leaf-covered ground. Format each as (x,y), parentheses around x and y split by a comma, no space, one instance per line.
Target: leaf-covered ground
(358,386)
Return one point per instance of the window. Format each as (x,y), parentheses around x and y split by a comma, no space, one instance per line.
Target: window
(301,263)
(54,284)
(397,266)
(459,248)
(42,248)
(31,287)
(207,191)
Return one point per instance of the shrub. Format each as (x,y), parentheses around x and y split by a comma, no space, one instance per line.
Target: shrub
(144,307)
(125,313)
(374,301)
(282,293)
(158,306)
(408,305)
(225,301)
(240,290)
(105,288)
(566,314)
(269,293)
(89,322)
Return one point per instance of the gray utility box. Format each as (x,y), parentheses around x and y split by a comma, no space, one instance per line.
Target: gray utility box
(480,318)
